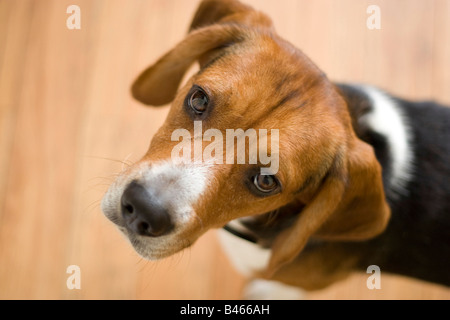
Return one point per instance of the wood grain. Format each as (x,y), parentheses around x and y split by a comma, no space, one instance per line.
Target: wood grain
(68,124)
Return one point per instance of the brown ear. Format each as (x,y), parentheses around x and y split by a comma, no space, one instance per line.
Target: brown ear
(363,212)
(158,84)
(214,11)
(349,206)
(216,24)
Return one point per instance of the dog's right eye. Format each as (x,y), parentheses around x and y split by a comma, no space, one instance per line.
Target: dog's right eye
(265,183)
(198,101)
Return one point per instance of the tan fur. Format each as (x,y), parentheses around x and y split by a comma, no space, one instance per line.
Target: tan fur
(262,81)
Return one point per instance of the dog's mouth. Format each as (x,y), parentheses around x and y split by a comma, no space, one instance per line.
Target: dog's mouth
(156,248)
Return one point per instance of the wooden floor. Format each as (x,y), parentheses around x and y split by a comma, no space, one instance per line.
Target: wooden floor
(68,124)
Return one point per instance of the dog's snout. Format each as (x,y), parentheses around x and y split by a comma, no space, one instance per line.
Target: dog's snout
(142,214)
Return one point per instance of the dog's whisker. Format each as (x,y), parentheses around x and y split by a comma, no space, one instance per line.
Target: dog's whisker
(108,179)
(89,208)
(125,162)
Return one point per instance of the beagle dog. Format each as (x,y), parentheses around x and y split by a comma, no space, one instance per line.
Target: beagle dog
(363,177)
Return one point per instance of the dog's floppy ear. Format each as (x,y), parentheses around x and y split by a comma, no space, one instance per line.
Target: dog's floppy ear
(231,11)
(350,205)
(158,84)
(216,24)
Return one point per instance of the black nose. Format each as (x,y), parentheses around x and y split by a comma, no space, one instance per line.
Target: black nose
(142,214)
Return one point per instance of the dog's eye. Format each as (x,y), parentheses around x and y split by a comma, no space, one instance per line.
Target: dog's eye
(265,183)
(198,101)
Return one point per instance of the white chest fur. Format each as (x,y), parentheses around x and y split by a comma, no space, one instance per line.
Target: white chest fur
(246,257)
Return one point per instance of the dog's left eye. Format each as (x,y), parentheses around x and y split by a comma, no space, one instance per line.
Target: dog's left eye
(265,183)
(198,101)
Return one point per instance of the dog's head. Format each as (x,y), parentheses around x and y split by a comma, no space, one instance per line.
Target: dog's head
(249,79)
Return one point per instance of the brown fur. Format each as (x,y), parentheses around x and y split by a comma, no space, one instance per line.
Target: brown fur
(257,80)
